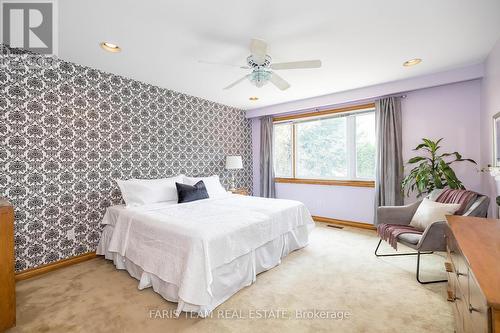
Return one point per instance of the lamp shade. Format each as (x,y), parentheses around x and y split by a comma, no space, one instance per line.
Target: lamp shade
(234,162)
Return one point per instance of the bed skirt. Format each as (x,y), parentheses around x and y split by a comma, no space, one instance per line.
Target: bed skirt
(227,279)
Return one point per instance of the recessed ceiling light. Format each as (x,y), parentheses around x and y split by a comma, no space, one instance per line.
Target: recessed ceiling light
(253,98)
(110,47)
(412,62)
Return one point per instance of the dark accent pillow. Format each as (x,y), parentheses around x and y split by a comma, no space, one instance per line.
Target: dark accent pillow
(187,193)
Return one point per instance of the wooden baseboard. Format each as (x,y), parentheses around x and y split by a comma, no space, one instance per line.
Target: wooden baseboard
(344,222)
(32,272)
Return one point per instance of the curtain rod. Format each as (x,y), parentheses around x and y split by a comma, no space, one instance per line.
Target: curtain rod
(330,106)
(398,95)
(326,107)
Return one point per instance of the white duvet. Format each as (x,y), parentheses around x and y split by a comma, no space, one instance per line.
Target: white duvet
(183,243)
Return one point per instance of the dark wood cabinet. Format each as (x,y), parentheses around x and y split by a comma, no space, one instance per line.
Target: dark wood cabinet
(473,268)
(7,282)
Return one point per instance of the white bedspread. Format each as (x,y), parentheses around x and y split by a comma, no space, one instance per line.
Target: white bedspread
(182,244)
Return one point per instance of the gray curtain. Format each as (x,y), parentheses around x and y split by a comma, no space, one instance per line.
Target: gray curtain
(267,189)
(389,159)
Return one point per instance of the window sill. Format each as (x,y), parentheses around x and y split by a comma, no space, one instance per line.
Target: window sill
(354,183)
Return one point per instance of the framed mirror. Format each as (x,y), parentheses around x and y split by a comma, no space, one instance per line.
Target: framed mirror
(496,140)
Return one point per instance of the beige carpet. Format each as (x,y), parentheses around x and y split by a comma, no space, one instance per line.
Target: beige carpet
(336,272)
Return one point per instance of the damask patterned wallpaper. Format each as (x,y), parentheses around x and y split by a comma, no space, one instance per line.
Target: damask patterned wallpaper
(67,131)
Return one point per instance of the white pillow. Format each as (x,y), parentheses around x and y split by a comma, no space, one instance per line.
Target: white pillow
(212,184)
(431,211)
(138,192)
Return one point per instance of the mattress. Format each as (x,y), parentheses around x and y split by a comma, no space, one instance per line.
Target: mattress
(200,253)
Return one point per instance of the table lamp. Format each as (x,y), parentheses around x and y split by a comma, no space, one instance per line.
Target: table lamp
(233,163)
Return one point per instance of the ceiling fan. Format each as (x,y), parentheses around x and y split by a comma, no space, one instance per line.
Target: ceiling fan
(263,70)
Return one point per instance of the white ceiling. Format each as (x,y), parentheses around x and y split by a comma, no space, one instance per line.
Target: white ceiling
(361,42)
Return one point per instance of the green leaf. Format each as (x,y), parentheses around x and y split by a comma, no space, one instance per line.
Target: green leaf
(466,159)
(429,143)
(437,181)
(416,159)
(457,155)
(450,176)
(420,146)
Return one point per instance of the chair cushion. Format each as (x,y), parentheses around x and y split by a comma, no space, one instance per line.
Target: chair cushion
(410,238)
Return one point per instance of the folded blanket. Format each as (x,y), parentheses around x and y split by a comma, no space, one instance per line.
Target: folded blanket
(463,197)
(391,232)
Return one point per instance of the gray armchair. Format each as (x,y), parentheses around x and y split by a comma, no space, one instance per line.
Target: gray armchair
(432,239)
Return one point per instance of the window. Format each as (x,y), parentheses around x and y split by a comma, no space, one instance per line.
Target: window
(365,145)
(322,148)
(326,146)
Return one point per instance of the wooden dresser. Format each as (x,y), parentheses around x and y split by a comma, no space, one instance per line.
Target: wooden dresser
(7,283)
(473,267)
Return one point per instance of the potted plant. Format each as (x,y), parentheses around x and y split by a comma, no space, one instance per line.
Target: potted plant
(432,170)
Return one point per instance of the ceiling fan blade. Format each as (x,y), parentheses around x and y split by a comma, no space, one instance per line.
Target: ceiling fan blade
(297,64)
(236,82)
(221,64)
(279,82)
(258,48)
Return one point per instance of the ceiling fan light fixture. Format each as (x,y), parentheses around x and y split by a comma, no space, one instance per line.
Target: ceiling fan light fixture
(263,70)
(412,62)
(110,47)
(253,98)
(260,77)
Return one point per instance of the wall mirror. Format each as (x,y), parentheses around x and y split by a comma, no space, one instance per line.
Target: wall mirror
(496,140)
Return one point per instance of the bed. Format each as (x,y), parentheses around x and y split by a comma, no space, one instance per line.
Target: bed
(200,253)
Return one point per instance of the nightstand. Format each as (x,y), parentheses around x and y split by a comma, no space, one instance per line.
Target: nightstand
(7,283)
(240,191)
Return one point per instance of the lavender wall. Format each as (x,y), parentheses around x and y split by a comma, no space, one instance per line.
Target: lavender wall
(490,105)
(450,111)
